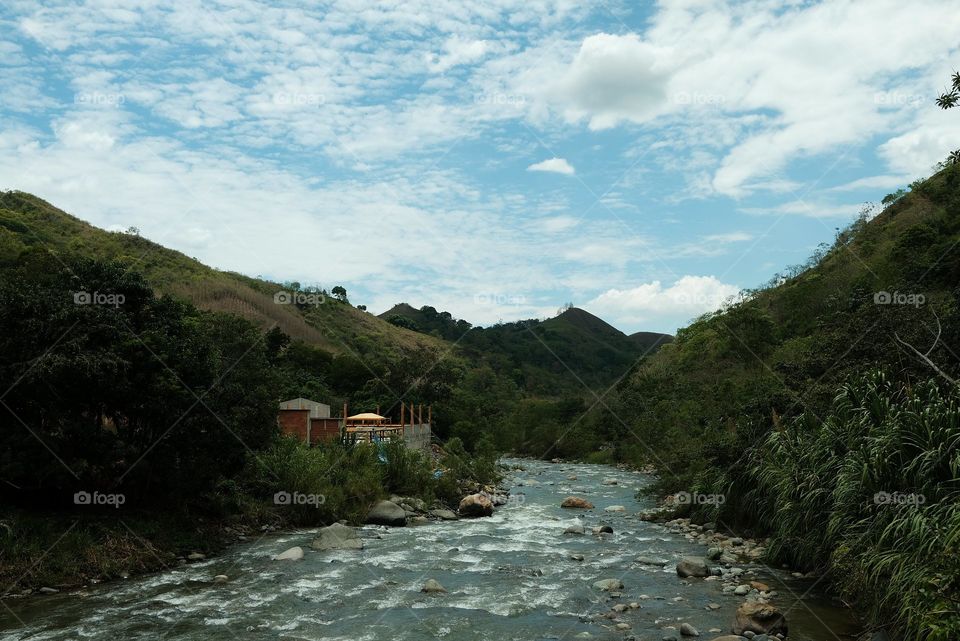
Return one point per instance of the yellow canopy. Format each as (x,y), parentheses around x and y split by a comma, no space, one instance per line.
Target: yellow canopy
(366,416)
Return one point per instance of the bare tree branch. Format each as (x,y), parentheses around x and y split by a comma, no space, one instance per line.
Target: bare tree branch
(926,357)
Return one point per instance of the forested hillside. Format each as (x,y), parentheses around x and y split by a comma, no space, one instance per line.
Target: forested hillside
(833,385)
(556,357)
(515,383)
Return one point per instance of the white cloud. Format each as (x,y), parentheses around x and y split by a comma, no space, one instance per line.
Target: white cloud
(800,207)
(612,78)
(556,224)
(766,85)
(458,52)
(731,237)
(555,165)
(653,304)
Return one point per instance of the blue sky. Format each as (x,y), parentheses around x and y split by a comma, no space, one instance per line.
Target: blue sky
(645,161)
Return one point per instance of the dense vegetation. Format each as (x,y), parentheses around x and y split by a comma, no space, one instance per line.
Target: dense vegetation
(800,403)
(778,403)
(135,426)
(556,357)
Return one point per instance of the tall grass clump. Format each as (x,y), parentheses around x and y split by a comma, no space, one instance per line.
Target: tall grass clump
(348,478)
(351,477)
(871,496)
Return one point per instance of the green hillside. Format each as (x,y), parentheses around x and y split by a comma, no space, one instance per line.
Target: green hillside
(563,355)
(27,221)
(481,380)
(831,386)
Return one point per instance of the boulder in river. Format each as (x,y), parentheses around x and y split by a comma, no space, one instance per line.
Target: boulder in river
(432,586)
(386,513)
(615,508)
(444,515)
(576,528)
(761,618)
(577,502)
(293,554)
(688,630)
(337,537)
(693,566)
(221,578)
(646,560)
(608,585)
(475,505)
(605,529)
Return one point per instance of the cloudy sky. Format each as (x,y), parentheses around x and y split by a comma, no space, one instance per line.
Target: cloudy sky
(496,159)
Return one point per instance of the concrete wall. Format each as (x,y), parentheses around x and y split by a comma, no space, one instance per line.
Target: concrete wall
(417,437)
(317,410)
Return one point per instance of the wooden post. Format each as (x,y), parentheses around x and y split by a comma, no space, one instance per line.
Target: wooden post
(420,414)
(401,413)
(429,413)
(378,408)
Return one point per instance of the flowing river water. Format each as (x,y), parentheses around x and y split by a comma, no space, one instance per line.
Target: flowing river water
(511,576)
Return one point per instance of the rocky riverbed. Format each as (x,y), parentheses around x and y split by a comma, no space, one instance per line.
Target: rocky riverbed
(531,570)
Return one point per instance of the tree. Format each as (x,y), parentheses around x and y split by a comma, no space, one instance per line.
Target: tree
(111,388)
(340,293)
(949,100)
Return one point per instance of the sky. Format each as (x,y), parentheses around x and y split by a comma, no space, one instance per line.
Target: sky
(645,161)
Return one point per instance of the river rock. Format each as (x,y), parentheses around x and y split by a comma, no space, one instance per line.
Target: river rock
(693,566)
(688,630)
(386,513)
(759,618)
(432,586)
(728,637)
(608,585)
(577,502)
(221,578)
(610,481)
(646,560)
(714,554)
(615,508)
(337,537)
(293,554)
(445,515)
(741,590)
(475,505)
(576,528)
(605,529)
(196,556)
(757,585)
(48,590)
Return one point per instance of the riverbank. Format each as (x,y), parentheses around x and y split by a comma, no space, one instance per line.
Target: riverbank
(284,487)
(518,573)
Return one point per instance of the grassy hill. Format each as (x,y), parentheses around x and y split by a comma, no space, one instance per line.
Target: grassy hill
(27,221)
(479,379)
(832,385)
(552,357)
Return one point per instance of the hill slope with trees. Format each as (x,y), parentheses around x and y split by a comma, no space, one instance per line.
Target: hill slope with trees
(813,400)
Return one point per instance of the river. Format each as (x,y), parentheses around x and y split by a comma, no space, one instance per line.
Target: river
(511,576)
